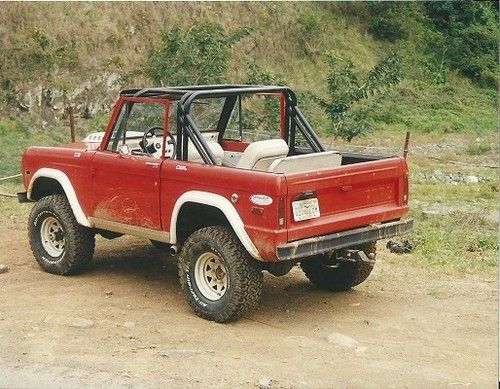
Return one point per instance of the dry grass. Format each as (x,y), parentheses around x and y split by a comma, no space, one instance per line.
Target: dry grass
(118,36)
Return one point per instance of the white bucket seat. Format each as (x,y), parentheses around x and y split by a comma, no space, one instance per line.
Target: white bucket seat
(261,154)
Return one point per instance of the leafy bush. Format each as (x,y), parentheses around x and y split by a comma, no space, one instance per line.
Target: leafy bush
(386,20)
(260,76)
(478,148)
(266,114)
(464,34)
(199,55)
(347,90)
(441,35)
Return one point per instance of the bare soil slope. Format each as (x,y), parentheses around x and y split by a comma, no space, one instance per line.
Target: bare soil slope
(124,323)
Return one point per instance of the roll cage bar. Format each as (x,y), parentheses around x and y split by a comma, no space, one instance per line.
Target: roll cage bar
(294,118)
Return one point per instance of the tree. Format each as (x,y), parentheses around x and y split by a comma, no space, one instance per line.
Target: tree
(264,116)
(199,55)
(348,92)
(465,34)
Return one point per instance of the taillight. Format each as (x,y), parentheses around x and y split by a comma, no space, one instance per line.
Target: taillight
(281,213)
(405,190)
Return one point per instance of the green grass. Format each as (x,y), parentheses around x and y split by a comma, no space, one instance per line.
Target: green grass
(456,107)
(478,148)
(16,135)
(10,209)
(483,194)
(459,232)
(62,46)
(461,242)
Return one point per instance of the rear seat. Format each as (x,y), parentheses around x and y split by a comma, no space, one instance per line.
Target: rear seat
(307,162)
(261,154)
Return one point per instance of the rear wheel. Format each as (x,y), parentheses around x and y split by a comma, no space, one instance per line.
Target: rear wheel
(60,245)
(329,273)
(220,280)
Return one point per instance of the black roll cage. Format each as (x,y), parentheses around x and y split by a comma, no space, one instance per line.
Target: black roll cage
(294,118)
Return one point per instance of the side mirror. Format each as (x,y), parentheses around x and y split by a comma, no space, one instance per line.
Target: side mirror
(123,150)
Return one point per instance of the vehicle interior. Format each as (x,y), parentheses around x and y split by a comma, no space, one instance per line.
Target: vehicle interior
(244,127)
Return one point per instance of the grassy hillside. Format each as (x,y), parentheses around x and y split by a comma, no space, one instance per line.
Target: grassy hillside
(83,53)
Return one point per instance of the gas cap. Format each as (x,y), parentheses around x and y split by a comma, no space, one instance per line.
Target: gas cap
(234,198)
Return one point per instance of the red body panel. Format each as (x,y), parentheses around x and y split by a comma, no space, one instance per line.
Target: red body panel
(234,145)
(74,160)
(262,228)
(126,189)
(350,196)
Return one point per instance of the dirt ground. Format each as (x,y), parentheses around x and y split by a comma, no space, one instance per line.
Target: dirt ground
(125,323)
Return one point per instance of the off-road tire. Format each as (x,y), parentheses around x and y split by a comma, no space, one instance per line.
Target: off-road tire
(79,241)
(344,276)
(162,246)
(243,274)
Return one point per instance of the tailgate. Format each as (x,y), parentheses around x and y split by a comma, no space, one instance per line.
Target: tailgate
(348,197)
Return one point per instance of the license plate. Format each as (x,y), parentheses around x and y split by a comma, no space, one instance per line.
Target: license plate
(305,209)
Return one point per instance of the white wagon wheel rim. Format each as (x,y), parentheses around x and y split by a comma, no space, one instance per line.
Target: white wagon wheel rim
(52,236)
(211,276)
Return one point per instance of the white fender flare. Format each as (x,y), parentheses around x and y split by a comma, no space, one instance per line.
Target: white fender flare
(223,204)
(64,181)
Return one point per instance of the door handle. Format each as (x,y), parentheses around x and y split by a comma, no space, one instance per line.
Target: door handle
(153,164)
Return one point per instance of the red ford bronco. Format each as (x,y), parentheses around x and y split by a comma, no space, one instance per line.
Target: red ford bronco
(231,176)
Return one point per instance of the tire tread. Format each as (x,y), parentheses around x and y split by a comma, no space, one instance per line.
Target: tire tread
(344,277)
(79,250)
(246,291)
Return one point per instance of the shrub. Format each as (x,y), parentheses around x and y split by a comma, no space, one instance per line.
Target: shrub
(386,21)
(465,34)
(478,148)
(199,55)
(263,112)
(260,76)
(348,93)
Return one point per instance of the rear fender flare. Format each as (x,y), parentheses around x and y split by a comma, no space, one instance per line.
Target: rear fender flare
(69,191)
(225,206)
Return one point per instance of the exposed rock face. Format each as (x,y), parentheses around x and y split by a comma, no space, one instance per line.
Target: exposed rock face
(89,98)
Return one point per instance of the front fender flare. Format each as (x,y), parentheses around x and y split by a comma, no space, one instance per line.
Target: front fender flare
(225,206)
(64,181)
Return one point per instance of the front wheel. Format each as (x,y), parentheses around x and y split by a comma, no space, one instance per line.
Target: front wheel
(220,280)
(60,245)
(327,272)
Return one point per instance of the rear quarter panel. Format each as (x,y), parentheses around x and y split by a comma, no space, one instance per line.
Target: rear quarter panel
(178,177)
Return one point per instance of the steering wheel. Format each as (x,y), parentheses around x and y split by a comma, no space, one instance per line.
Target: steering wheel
(154,147)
